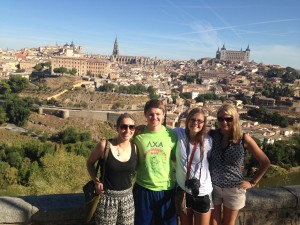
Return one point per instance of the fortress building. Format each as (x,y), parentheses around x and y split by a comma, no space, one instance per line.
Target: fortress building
(232,55)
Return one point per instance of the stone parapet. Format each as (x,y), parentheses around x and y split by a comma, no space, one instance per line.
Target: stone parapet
(264,206)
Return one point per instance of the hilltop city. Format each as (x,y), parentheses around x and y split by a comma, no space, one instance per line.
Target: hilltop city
(267,96)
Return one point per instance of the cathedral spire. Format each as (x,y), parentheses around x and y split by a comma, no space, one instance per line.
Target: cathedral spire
(248,49)
(116,48)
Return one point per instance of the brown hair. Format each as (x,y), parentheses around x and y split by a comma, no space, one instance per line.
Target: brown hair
(154,103)
(201,134)
(124,116)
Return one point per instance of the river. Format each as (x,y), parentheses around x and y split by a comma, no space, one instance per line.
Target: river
(291,178)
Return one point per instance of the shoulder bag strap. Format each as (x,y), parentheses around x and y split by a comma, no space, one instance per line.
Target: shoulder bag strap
(106,151)
(189,163)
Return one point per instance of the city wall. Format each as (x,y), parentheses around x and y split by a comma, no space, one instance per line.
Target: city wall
(105,116)
(264,206)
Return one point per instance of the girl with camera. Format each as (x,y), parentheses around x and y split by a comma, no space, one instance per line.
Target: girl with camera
(193,193)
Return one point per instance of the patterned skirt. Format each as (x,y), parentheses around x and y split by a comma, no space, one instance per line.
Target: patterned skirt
(115,207)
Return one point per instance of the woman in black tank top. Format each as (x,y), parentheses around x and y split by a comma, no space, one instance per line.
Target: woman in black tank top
(116,203)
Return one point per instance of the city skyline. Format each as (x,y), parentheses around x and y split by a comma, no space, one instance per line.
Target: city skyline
(163,29)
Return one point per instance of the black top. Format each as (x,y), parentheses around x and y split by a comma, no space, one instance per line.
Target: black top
(118,174)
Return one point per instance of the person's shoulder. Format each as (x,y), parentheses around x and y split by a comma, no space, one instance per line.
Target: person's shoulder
(169,130)
(208,137)
(139,129)
(212,133)
(208,140)
(101,145)
(177,129)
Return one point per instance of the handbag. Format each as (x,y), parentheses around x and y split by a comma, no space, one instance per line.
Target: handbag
(90,195)
(180,201)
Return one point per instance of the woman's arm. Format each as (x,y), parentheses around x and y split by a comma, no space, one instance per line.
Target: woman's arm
(95,155)
(260,156)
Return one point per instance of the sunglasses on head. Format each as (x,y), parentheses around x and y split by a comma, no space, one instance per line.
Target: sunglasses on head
(125,126)
(227,119)
(196,120)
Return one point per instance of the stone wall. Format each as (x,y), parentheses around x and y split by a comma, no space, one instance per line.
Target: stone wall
(264,206)
(104,116)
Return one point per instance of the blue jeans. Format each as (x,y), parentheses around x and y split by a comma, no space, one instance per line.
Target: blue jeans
(154,205)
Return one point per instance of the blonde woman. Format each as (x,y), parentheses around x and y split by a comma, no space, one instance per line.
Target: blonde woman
(226,160)
(192,169)
(116,203)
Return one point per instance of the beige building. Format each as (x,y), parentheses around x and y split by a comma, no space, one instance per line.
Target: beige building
(232,55)
(96,67)
(28,64)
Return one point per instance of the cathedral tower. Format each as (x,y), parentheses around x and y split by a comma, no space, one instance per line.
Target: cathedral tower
(116,48)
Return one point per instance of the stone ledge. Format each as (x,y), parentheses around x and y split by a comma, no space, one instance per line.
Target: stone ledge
(264,206)
(15,210)
(273,198)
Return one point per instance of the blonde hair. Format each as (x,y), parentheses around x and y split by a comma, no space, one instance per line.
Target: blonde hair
(237,128)
(201,134)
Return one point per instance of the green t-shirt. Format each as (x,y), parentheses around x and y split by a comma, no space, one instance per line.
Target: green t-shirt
(155,170)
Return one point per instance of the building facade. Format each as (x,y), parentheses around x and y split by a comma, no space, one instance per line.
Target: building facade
(84,66)
(232,55)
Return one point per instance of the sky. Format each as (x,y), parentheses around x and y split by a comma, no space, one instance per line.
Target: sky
(166,29)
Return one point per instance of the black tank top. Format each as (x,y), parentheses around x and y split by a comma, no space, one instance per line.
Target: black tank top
(118,174)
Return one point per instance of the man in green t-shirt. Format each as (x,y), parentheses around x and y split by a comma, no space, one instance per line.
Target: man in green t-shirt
(154,188)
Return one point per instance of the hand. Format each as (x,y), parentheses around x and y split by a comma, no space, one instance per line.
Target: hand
(245,185)
(99,188)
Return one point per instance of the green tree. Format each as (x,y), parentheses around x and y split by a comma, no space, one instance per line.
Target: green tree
(38,67)
(174,75)
(47,64)
(186,95)
(3,117)
(20,70)
(5,87)
(61,70)
(14,159)
(73,71)
(10,176)
(152,93)
(117,105)
(69,135)
(18,83)
(17,110)
(89,73)
(4,166)
(59,173)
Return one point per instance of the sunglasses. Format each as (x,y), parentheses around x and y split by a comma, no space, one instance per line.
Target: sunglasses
(196,120)
(227,119)
(125,126)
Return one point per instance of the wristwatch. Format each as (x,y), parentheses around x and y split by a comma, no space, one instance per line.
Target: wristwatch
(253,183)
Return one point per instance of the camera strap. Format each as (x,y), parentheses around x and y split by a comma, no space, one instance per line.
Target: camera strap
(189,163)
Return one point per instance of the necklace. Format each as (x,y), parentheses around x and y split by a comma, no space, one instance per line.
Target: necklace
(118,149)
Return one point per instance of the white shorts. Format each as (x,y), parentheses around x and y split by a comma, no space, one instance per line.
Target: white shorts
(232,198)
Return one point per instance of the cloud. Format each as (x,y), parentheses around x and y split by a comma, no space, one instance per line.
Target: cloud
(283,55)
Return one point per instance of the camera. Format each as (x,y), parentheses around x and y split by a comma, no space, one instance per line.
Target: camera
(194,185)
